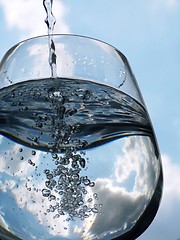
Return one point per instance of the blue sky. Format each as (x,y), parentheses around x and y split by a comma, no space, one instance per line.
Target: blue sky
(148,33)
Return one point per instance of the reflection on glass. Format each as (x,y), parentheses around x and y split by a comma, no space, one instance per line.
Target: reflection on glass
(79,159)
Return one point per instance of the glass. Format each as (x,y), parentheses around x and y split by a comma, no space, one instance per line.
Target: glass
(78,155)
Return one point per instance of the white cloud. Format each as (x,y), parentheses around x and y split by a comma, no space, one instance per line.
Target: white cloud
(171,182)
(28,17)
(119,208)
(136,159)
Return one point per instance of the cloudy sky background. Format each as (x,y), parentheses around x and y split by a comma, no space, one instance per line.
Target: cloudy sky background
(148,33)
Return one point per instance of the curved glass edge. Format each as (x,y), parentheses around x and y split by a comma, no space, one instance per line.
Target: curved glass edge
(6,235)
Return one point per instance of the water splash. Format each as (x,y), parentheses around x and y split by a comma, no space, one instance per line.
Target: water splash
(50,21)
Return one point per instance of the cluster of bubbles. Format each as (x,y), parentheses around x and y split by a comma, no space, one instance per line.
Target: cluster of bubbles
(65,185)
(68,191)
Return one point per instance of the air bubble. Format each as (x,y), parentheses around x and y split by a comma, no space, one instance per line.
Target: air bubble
(39,124)
(95,196)
(33,153)
(61,212)
(51,197)
(35,139)
(82,162)
(46,192)
(94,210)
(47,171)
(49,176)
(86,182)
(70,112)
(51,208)
(92,184)
(31,162)
(54,156)
(50,184)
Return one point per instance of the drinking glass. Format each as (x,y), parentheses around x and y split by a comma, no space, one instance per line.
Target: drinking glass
(78,154)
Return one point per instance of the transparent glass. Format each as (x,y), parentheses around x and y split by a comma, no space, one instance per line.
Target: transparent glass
(78,154)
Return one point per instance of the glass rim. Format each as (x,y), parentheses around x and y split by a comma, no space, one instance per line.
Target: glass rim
(69,35)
